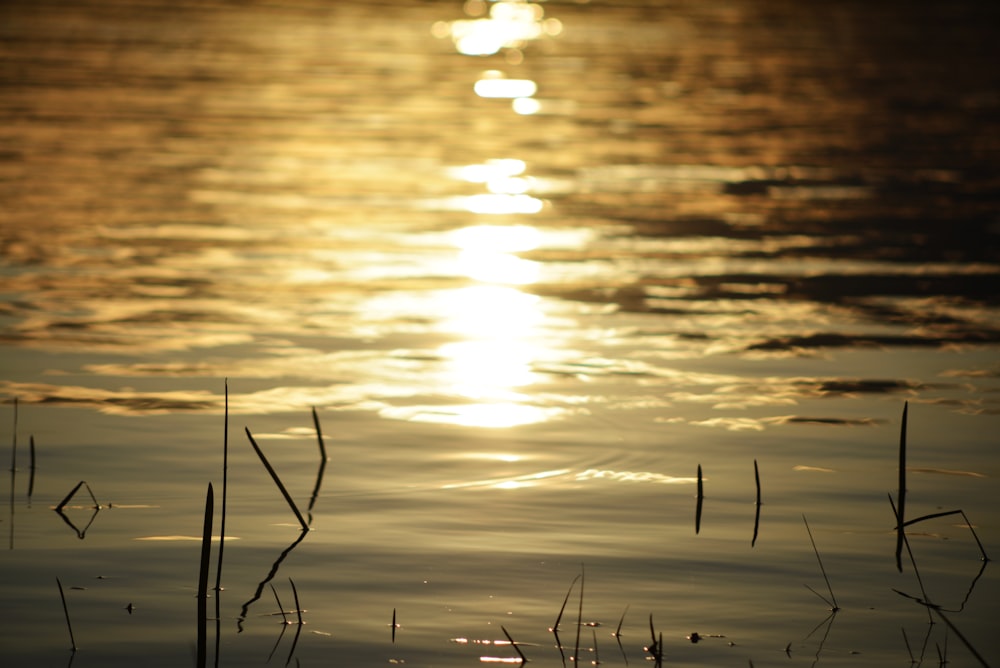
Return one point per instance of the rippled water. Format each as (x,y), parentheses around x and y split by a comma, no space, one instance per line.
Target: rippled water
(534,265)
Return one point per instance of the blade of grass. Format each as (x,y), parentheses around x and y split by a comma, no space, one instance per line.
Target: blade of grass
(513,644)
(206,554)
(579,619)
(281,609)
(906,641)
(13,474)
(555,627)
(31,477)
(756,518)
(277,481)
(322,465)
(946,513)
(901,495)
(961,637)
(270,576)
(913,562)
(833,598)
(69,624)
(295,595)
(69,496)
(701,499)
(222,511)
(618,635)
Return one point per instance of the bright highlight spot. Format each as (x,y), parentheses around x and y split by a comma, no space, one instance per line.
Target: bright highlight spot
(505,88)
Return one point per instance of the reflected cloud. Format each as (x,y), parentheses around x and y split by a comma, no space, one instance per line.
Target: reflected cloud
(516,482)
(588,475)
(492,415)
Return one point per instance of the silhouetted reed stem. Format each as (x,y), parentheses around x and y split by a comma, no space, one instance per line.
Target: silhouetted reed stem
(322,465)
(277,481)
(901,496)
(222,510)
(833,599)
(82,483)
(756,518)
(701,499)
(69,625)
(513,644)
(555,627)
(579,619)
(13,474)
(206,554)
(961,637)
(31,477)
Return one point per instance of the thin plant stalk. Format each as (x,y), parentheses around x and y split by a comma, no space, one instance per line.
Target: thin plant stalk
(281,609)
(270,576)
(618,635)
(295,595)
(31,476)
(206,554)
(222,510)
(69,624)
(555,627)
(13,474)
(901,496)
(277,481)
(701,499)
(756,519)
(579,619)
(961,637)
(82,483)
(394,625)
(913,562)
(513,644)
(906,641)
(833,599)
(968,524)
(322,465)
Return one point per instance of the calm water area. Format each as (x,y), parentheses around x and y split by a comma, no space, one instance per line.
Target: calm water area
(595,303)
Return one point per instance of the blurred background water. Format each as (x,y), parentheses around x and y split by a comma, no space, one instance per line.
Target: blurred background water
(533,264)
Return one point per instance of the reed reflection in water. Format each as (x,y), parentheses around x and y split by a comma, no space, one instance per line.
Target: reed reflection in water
(536,264)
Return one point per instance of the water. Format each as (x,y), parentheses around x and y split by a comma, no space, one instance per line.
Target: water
(704,234)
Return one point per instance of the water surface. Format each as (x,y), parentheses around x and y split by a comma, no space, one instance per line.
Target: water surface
(533,264)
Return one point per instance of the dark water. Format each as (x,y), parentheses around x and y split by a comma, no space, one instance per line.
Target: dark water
(696,234)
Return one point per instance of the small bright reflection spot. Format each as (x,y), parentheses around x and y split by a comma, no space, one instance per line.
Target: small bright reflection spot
(505,88)
(502,204)
(490,170)
(497,238)
(526,106)
(511,23)
(511,185)
(489,267)
(500,659)
(552,27)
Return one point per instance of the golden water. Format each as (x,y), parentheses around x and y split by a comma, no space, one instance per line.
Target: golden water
(533,264)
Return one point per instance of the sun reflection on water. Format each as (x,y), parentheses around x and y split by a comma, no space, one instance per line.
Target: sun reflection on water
(500,329)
